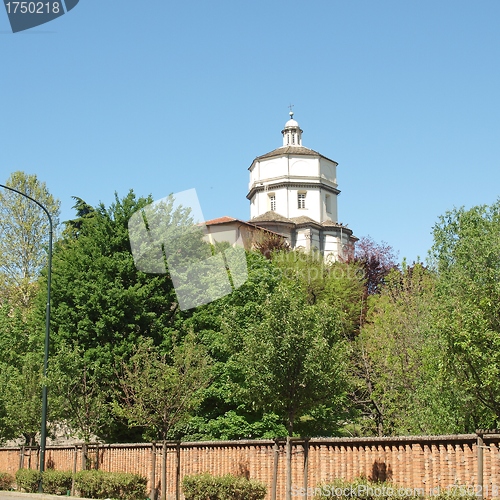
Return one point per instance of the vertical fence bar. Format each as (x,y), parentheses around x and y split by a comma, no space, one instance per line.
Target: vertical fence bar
(306,464)
(152,495)
(178,471)
(21,457)
(75,461)
(276,453)
(164,472)
(480,465)
(288,493)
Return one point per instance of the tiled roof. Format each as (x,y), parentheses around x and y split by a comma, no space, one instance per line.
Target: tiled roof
(270,216)
(227,220)
(220,220)
(330,223)
(303,219)
(291,150)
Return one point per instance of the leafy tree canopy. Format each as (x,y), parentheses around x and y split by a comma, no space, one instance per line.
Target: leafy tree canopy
(102,306)
(292,355)
(466,254)
(401,387)
(24,234)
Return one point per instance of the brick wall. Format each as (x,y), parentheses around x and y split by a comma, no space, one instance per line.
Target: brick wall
(427,462)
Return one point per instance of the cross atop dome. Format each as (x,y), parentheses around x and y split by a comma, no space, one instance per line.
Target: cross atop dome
(292,133)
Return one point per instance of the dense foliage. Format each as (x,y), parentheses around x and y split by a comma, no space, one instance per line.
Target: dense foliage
(467,258)
(302,347)
(24,235)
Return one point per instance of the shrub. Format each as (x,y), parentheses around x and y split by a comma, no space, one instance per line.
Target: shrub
(57,482)
(120,485)
(90,483)
(28,480)
(129,486)
(6,481)
(208,487)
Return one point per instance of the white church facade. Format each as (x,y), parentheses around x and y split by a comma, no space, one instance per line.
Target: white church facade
(293,191)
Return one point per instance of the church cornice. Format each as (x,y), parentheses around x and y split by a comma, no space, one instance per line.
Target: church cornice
(307,183)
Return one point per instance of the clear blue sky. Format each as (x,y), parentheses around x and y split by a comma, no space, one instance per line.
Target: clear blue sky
(162,96)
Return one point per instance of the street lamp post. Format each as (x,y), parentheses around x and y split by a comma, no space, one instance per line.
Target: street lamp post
(43,435)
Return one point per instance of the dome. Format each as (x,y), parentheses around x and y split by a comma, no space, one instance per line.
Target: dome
(292,134)
(291,123)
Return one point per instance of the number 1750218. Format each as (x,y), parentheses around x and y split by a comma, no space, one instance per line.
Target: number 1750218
(33,7)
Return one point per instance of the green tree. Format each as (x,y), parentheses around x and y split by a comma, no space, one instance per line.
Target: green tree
(21,395)
(79,399)
(101,301)
(21,354)
(102,305)
(225,413)
(340,285)
(16,335)
(24,233)
(292,357)
(401,387)
(160,391)
(466,254)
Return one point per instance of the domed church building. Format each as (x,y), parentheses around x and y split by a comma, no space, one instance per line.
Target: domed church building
(293,191)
